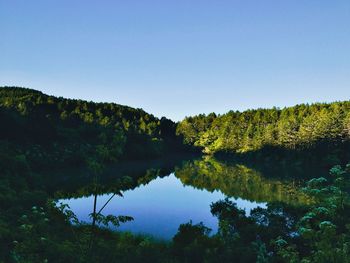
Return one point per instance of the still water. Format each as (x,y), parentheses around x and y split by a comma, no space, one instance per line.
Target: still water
(159,207)
(160,200)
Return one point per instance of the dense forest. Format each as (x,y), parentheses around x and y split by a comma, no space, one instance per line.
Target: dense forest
(67,131)
(41,127)
(302,127)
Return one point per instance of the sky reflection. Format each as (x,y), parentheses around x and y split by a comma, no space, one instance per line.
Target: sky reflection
(159,207)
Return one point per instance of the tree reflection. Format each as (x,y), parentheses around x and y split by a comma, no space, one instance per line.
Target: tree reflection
(237,180)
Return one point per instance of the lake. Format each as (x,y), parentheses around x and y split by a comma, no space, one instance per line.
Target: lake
(159,203)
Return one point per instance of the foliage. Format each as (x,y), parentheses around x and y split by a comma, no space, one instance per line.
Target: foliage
(301,127)
(66,131)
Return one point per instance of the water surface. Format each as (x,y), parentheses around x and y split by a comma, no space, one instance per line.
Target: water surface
(161,200)
(159,207)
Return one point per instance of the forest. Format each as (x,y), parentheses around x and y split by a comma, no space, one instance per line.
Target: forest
(303,127)
(70,131)
(42,136)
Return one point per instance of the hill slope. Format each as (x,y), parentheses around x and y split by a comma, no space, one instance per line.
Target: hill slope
(299,127)
(47,130)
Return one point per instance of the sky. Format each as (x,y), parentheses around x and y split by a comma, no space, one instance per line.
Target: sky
(179,58)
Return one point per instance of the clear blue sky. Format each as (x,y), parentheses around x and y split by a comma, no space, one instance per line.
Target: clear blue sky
(178,58)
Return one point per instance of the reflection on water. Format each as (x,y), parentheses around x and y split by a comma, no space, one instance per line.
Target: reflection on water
(159,207)
(160,203)
(239,181)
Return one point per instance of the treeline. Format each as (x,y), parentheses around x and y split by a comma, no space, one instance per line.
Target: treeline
(300,127)
(47,130)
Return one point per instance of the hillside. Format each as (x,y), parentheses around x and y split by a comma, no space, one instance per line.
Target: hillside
(295,128)
(49,131)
